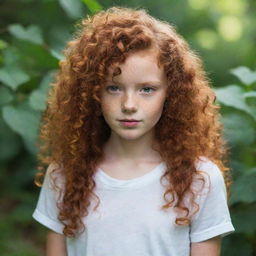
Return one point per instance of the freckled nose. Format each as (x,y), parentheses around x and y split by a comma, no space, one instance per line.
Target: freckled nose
(129,104)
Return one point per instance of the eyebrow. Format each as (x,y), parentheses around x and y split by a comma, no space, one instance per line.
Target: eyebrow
(143,83)
(150,83)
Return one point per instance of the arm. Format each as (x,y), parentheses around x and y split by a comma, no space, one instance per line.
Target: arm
(55,244)
(210,247)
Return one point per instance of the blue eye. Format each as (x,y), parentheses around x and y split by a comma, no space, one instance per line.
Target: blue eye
(149,88)
(111,88)
(114,88)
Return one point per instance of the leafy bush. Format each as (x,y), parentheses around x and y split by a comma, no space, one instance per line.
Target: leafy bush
(239,117)
(29,57)
(30,51)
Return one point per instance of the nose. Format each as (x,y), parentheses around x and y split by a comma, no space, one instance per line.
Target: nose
(129,104)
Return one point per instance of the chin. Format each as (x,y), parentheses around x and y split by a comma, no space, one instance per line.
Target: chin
(132,136)
(129,135)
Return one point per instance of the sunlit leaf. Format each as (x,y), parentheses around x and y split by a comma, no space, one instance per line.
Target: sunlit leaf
(3,44)
(32,33)
(244,74)
(232,95)
(249,94)
(92,5)
(230,27)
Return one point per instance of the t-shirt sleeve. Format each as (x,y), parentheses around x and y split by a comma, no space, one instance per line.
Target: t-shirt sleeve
(46,211)
(213,217)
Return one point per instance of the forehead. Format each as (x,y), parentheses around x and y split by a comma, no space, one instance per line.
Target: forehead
(138,65)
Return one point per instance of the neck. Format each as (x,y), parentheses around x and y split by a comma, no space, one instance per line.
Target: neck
(125,150)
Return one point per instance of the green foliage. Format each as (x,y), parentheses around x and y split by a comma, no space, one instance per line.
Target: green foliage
(73,8)
(233,96)
(248,195)
(239,118)
(92,5)
(246,76)
(239,245)
(30,50)
(24,121)
(5,96)
(13,76)
(31,34)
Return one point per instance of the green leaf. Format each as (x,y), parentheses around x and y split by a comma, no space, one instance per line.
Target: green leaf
(244,74)
(47,80)
(239,193)
(13,76)
(238,129)
(243,218)
(57,55)
(11,56)
(37,100)
(3,44)
(92,5)
(32,33)
(21,213)
(73,8)
(232,95)
(22,120)
(10,144)
(5,95)
(249,94)
(236,245)
(35,57)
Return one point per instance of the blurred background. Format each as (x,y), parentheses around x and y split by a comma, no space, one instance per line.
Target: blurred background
(33,34)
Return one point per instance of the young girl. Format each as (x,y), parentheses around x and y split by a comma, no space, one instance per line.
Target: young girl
(133,145)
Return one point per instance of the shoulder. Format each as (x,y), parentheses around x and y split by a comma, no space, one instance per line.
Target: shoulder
(54,176)
(211,172)
(204,164)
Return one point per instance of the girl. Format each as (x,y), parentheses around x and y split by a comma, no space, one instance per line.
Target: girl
(132,144)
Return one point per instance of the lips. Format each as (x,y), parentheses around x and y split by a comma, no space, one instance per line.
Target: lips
(129,120)
(129,123)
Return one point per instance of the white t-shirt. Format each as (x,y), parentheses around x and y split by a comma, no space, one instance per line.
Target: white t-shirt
(129,221)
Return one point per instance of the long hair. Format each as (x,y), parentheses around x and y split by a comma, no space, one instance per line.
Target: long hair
(73,130)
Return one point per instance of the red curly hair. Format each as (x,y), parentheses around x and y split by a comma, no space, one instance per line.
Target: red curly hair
(73,130)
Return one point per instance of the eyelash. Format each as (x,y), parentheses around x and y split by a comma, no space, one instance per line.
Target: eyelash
(152,89)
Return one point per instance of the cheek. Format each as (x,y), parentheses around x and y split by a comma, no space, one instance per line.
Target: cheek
(155,109)
(105,104)
(107,107)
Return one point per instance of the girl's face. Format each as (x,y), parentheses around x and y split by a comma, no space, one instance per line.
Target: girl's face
(138,93)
